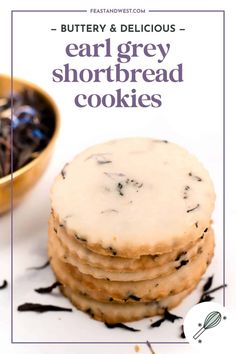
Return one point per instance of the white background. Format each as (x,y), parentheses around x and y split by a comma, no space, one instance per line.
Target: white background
(191,115)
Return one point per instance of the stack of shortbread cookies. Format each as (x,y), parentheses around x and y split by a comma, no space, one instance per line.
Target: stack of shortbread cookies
(130,230)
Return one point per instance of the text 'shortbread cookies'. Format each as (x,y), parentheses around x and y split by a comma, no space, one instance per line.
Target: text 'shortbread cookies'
(130,230)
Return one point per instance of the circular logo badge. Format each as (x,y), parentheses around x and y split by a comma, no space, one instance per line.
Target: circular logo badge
(208,326)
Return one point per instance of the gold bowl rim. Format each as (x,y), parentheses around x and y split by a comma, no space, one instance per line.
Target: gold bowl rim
(52,103)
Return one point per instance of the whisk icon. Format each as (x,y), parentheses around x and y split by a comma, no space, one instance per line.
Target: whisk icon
(212,320)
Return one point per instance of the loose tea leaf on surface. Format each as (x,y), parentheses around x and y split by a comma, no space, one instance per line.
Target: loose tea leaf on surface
(40,308)
(4,285)
(167,316)
(48,289)
(171,317)
(182,335)
(121,325)
(43,266)
(206,295)
(208,284)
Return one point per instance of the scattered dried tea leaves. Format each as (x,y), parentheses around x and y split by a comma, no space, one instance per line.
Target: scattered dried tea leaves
(182,335)
(157,323)
(171,317)
(208,284)
(31,121)
(43,266)
(121,325)
(167,316)
(4,285)
(206,295)
(205,298)
(48,289)
(40,308)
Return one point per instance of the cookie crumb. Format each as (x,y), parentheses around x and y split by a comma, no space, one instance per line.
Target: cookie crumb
(137,348)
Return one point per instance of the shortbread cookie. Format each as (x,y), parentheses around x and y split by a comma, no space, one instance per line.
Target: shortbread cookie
(134,197)
(147,290)
(150,273)
(114,313)
(76,250)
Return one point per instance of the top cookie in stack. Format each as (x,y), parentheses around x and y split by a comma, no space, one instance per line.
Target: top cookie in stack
(127,214)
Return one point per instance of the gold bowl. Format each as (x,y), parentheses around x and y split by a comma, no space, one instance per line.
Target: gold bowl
(21,181)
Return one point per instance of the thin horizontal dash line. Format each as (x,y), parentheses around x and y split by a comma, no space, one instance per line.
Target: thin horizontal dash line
(53,29)
(182,29)
(48,10)
(186,11)
(96,343)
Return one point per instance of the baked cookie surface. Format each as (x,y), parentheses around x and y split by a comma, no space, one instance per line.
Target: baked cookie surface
(133,197)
